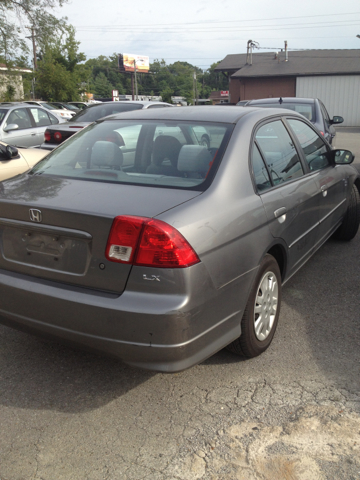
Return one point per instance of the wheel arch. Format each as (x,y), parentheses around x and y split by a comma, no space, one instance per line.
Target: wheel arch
(278,252)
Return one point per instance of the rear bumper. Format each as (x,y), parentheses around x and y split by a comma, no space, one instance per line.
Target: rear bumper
(164,332)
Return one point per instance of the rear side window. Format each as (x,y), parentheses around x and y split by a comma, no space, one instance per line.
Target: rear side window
(278,152)
(311,143)
(41,118)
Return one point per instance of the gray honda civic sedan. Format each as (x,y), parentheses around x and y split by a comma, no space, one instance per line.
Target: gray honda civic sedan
(134,239)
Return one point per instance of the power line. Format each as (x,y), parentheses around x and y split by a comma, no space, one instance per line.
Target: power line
(237,21)
(296,26)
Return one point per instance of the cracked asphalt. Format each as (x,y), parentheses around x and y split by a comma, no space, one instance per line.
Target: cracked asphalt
(293,413)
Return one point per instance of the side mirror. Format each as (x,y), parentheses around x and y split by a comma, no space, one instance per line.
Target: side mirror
(340,157)
(336,120)
(11,151)
(11,127)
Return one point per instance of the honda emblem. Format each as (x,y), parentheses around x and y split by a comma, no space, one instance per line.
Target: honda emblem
(35,215)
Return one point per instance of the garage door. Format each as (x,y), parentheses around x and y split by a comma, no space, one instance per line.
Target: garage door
(340,94)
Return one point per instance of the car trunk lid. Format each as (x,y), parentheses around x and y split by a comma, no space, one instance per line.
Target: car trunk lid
(57,229)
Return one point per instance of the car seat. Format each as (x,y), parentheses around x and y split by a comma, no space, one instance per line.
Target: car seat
(165,148)
(194,161)
(106,155)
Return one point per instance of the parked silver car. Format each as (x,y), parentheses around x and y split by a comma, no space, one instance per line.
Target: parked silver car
(24,125)
(311,108)
(162,251)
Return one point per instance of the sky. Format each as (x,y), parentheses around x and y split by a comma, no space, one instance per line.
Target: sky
(204,32)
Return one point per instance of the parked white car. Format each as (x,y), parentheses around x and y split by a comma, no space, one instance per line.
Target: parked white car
(61,112)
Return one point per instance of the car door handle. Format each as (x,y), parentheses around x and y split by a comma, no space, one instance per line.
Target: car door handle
(280,214)
(33,134)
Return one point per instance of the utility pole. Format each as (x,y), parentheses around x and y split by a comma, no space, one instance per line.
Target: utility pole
(195,88)
(32,36)
(133,76)
(136,85)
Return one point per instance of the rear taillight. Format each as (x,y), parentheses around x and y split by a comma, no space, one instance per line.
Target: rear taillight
(322,133)
(47,137)
(148,242)
(57,136)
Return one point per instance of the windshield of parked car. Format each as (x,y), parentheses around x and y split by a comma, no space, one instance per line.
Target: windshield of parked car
(3,113)
(71,107)
(306,109)
(95,112)
(153,153)
(50,107)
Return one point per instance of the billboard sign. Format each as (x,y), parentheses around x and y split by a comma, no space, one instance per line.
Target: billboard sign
(224,93)
(127,62)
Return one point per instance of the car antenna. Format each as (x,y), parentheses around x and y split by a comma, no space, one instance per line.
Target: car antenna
(280,100)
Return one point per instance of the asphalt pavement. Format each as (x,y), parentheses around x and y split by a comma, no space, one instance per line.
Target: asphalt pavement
(293,413)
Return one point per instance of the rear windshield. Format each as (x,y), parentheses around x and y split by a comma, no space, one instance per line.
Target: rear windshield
(96,112)
(306,109)
(154,153)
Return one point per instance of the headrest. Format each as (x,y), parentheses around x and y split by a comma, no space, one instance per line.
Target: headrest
(115,137)
(168,147)
(194,158)
(106,154)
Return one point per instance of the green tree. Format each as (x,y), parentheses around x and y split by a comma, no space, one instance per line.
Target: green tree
(102,87)
(59,75)
(14,14)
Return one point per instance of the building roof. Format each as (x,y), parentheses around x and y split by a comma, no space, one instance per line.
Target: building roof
(3,67)
(300,63)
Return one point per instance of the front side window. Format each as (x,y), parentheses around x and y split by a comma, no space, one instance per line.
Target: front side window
(19,117)
(325,114)
(279,152)
(141,152)
(311,143)
(3,113)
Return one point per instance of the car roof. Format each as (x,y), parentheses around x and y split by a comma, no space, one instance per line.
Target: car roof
(283,100)
(138,102)
(13,104)
(206,113)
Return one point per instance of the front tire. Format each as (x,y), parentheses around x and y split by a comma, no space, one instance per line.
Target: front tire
(350,225)
(262,311)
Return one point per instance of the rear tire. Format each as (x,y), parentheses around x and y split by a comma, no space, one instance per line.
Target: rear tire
(350,225)
(261,313)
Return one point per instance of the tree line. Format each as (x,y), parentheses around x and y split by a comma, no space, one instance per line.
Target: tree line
(64,74)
